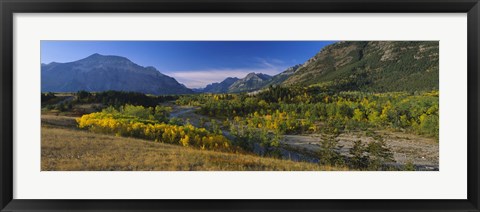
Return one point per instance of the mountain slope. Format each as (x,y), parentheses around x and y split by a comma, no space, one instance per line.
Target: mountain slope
(100,73)
(376,66)
(253,81)
(221,87)
(281,77)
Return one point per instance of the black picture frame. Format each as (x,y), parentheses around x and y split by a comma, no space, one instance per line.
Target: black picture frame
(9,7)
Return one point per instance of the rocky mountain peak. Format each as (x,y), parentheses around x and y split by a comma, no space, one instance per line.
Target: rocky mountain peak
(107,72)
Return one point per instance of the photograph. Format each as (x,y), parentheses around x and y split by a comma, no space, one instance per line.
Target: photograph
(239,105)
(271,105)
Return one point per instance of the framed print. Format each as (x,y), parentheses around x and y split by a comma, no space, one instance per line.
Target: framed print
(239,105)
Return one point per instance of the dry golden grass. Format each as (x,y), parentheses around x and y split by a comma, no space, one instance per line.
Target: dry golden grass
(50,120)
(69,149)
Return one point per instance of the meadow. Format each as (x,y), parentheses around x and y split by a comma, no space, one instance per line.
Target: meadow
(66,148)
(280,128)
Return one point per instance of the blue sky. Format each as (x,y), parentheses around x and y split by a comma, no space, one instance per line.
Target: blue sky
(193,63)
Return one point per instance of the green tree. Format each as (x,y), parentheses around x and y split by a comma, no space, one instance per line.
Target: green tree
(379,154)
(327,153)
(359,158)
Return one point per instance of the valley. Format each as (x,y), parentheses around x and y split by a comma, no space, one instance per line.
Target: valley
(406,148)
(69,149)
(299,140)
(354,105)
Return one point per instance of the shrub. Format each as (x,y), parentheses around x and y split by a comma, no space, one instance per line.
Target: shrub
(138,122)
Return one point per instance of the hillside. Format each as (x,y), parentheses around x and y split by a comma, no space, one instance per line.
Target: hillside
(281,77)
(101,73)
(375,66)
(68,149)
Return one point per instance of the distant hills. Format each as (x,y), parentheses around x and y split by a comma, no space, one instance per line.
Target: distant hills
(221,87)
(100,73)
(251,82)
(373,66)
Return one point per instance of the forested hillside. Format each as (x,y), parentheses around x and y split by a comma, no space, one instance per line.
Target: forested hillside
(373,66)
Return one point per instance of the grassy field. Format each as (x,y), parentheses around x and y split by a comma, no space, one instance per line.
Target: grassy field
(65,148)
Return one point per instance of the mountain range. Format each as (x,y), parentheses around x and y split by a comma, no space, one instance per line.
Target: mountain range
(221,87)
(251,82)
(101,73)
(373,66)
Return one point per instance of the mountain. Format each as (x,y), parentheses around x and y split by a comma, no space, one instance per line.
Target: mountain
(253,81)
(100,73)
(281,77)
(374,66)
(197,90)
(221,87)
